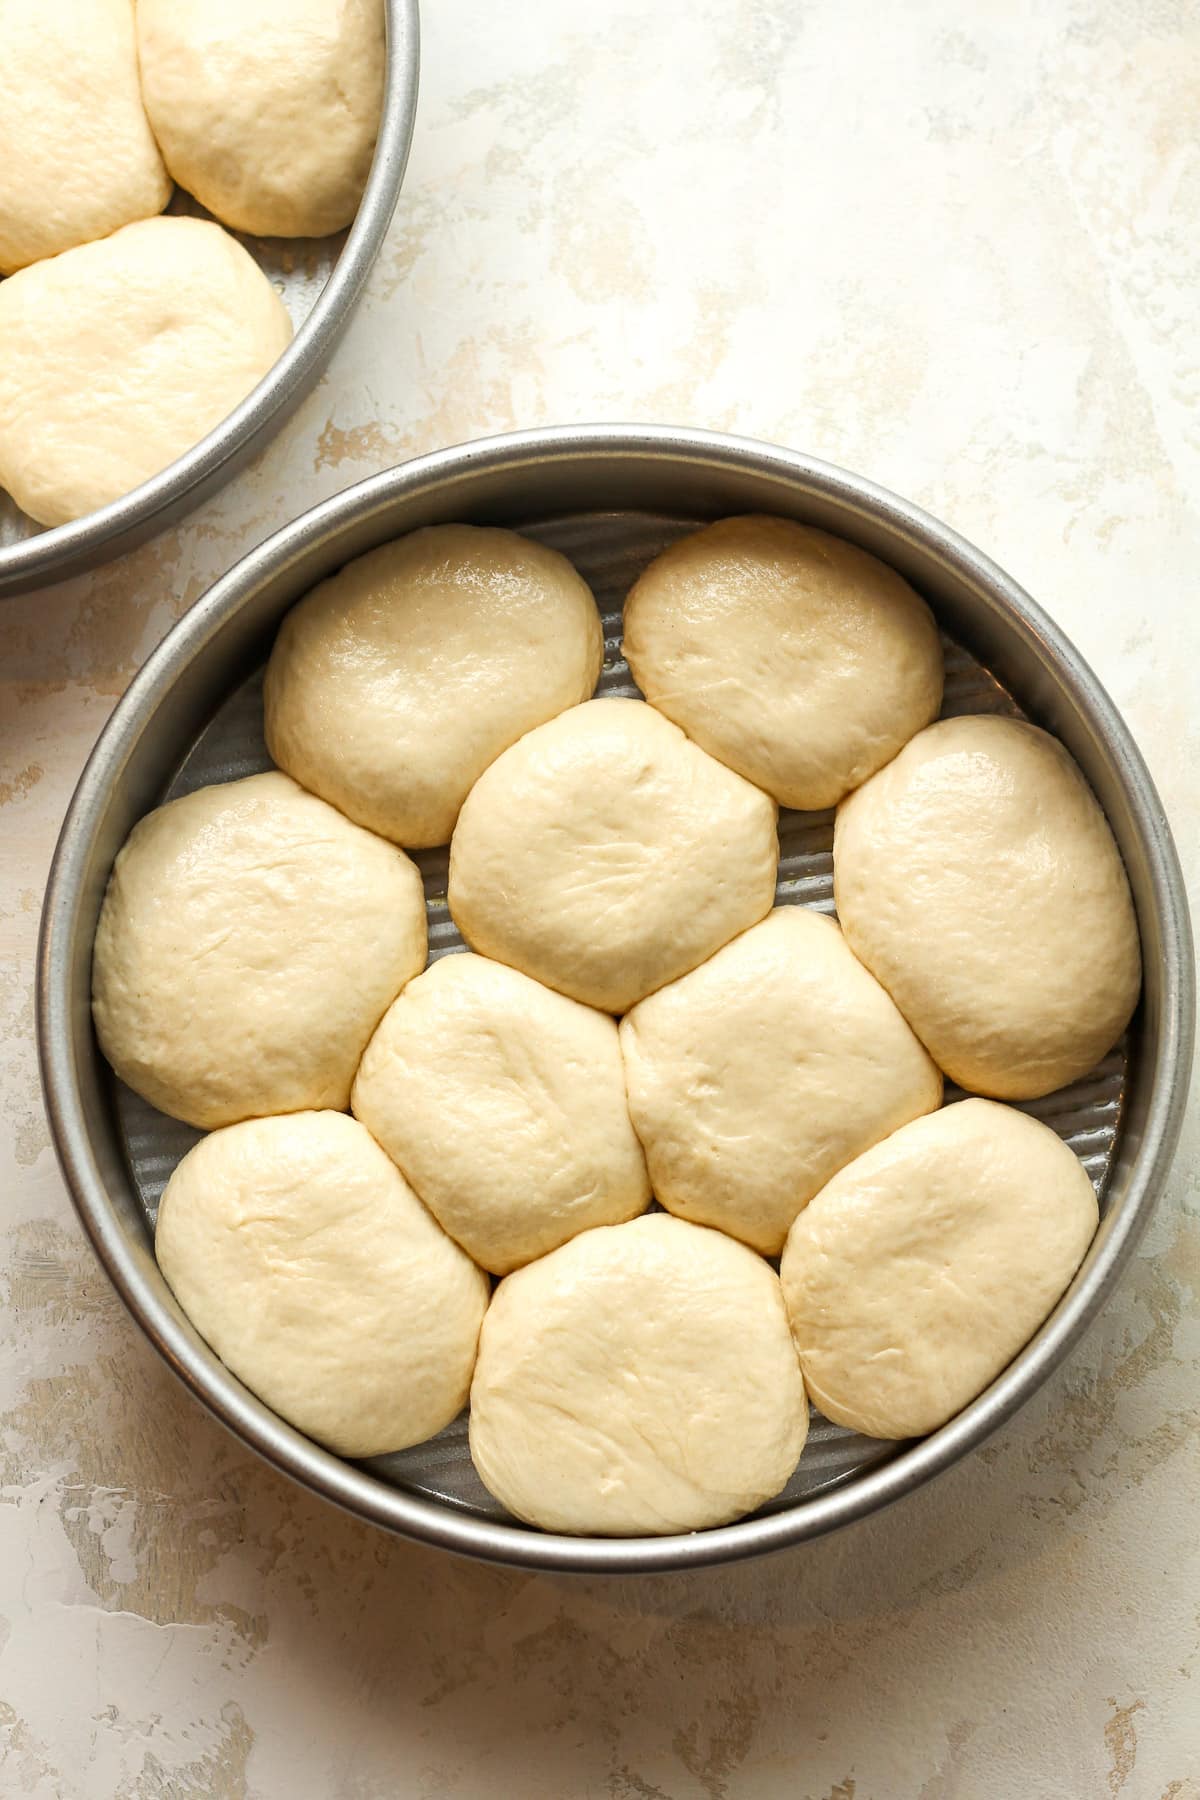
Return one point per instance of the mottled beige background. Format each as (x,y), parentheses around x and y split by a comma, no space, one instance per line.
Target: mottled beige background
(957,247)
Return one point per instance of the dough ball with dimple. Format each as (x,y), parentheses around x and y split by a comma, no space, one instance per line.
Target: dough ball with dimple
(756,1077)
(266,110)
(978,879)
(249,943)
(504,1104)
(795,657)
(606,854)
(640,1380)
(77,156)
(301,1254)
(394,684)
(119,356)
(918,1273)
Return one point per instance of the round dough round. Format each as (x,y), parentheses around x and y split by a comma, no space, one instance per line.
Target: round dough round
(641,1380)
(917,1274)
(756,1077)
(78,155)
(977,878)
(605,854)
(393,685)
(266,110)
(249,943)
(301,1254)
(793,656)
(117,357)
(504,1104)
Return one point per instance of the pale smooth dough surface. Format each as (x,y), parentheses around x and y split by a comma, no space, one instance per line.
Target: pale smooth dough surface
(606,854)
(504,1104)
(77,156)
(916,1275)
(301,1254)
(266,110)
(394,684)
(117,357)
(638,1381)
(978,879)
(249,943)
(756,1077)
(793,656)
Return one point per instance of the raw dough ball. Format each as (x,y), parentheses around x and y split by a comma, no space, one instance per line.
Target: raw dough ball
(249,943)
(917,1274)
(393,685)
(504,1104)
(640,1380)
(605,855)
(301,1254)
(117,357)
(756,1077)
(978,879)
(77,157)
(266,110)
(791,655)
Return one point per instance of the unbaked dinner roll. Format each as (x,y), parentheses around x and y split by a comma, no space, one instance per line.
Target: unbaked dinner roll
(248,945)
(917,1274)
(117,357)
(504,1104)
(77,156)
(300,1253)
(395,683)
(978,879)
(793,656)
(640,1380)
(756,1077)
(605,854)
(266,110)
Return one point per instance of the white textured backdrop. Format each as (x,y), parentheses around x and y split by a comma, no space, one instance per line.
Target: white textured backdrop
(955,246)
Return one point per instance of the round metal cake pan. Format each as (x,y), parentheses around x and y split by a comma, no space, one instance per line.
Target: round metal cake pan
(545,481)
(320,280)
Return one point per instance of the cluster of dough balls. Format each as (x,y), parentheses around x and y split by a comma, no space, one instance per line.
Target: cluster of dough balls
(125,337)
(634,1018)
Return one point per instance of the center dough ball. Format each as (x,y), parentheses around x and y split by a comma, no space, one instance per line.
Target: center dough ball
(641,1380)
(792,655)
(393,685)
(504,1104)
(266,110)
(301,1254)
(248,945)
(606,854)
(756,1077)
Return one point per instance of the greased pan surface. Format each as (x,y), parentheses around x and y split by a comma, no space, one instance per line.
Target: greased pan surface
(610,499)
(320,280)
